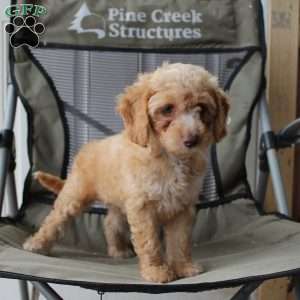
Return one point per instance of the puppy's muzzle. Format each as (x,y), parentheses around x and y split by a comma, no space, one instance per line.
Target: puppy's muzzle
(192,141)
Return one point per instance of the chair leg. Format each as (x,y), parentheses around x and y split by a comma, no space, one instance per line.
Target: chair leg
(46,290)
(23,289)
(246,290)
(297,287)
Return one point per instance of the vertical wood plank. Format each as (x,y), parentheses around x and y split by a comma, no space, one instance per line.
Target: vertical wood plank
(282,72)
(276,289)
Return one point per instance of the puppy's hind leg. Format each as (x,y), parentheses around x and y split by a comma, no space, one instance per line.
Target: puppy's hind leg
(70,202)
(117,234)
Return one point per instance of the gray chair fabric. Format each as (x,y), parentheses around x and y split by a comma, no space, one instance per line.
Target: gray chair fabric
(243,246)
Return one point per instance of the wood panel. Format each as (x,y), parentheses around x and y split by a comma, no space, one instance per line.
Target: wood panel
(282,79)
(283,41)
(276,289)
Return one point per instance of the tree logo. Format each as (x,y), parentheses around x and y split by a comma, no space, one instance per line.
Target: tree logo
(85,22)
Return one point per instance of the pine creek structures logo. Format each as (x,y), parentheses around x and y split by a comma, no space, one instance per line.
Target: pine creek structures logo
(121,23)
(25,29)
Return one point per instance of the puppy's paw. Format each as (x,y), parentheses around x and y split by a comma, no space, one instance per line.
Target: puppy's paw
(120,253)
(36,246)
(188,269)
(160,274)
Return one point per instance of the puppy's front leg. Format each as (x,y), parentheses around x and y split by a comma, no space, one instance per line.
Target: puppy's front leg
(178,233)
(145,237)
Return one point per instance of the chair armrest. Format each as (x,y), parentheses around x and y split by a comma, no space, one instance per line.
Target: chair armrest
(290,135)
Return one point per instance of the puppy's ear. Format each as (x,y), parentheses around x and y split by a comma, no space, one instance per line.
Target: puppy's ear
(133,107)
(222,109)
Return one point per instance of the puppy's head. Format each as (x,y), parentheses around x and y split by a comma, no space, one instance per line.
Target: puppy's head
(179,107)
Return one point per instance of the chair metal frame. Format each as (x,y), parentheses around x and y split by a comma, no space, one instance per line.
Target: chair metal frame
(269,165)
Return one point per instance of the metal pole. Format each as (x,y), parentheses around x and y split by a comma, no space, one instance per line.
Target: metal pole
(23,289)
(48,292)
(9,119)
(245,291)
(273,163)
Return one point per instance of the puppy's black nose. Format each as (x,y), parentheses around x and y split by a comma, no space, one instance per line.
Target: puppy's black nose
(192,141)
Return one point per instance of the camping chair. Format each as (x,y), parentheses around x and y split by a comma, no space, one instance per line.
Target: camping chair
(88,53)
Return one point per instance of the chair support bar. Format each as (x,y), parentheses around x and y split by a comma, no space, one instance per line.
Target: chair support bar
(46,290)
(23,289)
(246,290)
(5,152)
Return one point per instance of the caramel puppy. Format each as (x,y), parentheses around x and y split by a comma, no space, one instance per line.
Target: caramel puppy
(150,174)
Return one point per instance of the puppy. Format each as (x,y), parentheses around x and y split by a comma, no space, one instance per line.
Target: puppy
(150,174)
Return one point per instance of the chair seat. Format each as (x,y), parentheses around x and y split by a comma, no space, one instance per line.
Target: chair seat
(266,247)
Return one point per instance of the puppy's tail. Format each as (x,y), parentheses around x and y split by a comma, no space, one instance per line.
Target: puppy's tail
(50,182)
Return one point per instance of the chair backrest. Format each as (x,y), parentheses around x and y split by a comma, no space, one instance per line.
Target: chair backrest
(92,49)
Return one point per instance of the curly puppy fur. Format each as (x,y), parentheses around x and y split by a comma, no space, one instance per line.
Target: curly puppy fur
(150,174)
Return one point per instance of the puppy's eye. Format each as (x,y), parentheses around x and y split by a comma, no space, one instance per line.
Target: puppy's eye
(167,110)
(204,114)
(201,110)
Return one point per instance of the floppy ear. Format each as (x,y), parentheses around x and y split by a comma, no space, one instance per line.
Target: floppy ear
(222,108)
(133,106)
